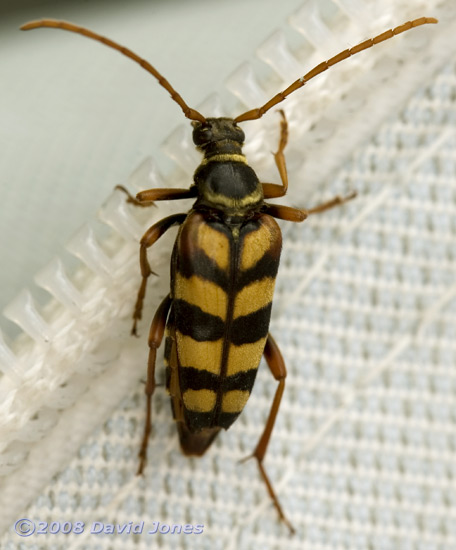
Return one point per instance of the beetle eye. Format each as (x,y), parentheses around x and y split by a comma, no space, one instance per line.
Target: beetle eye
(206,134)
(202,134)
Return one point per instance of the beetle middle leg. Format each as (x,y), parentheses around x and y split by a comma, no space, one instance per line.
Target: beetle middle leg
(148,239)
(157,330)
(277,367)
(336,201)
(291,214)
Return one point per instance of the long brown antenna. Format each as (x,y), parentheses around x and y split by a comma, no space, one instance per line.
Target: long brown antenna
(258,113)
(66,26)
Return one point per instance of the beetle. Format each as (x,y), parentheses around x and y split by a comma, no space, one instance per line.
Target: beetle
(223,268)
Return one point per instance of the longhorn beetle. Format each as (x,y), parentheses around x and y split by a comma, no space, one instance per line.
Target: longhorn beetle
(223,268)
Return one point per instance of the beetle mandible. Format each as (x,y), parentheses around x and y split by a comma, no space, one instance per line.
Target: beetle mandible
(223,268)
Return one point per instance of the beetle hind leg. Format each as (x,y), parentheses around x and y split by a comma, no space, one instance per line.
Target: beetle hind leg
(277,367)
(157,330)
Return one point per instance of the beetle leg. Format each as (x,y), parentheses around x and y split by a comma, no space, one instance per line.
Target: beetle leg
(285,212)
(336,201)
(300,214)
(272,190)
(130,198)
(151,195)
(157,329)
(147,197)
(277,367)
(148,239)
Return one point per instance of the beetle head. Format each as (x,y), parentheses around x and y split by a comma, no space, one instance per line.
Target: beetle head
(216,129)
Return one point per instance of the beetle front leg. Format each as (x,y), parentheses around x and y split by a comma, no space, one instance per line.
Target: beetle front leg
(157,329)
(147,197)
(277,367)
(272,190)
(148,239)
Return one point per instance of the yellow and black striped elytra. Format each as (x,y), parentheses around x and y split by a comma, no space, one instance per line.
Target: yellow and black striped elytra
(222,282)
(223,268)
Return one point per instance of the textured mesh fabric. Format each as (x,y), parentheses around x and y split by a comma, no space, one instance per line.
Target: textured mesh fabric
(363,454)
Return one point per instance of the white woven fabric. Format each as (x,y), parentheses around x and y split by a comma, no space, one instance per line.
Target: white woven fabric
(364,450)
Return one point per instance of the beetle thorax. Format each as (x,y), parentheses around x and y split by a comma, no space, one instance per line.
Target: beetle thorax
(225,181)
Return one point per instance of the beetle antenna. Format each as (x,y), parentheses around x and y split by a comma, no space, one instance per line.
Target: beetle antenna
(259,112)
(66,26)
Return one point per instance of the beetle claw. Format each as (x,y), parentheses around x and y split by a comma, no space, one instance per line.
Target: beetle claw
(248,457)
